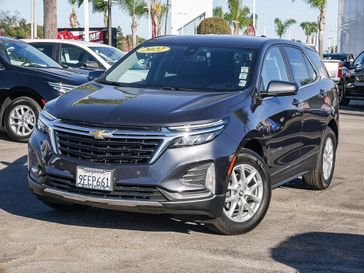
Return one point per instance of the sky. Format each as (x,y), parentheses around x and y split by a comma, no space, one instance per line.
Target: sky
(267,11)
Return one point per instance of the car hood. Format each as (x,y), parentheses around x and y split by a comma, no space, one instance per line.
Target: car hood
(59,75)
(106,105)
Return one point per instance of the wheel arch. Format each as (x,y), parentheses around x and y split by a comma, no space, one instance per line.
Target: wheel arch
(334,126)
(15,93)
(254,141)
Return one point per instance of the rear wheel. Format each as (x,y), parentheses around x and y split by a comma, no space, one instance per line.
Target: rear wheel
(321,177)
(247,196)
(21,117)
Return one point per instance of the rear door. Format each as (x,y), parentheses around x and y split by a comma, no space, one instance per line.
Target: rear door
(283,125)
(311,101)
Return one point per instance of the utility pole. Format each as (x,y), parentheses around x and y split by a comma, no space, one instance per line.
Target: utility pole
(254,15)
(86,21)
(33,25)
(149,20)
(109,22)
(166,18)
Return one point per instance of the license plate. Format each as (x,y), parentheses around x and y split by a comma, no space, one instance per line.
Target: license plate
(95,179)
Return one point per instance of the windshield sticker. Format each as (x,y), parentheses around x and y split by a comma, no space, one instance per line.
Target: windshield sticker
(242,83)
(153,49)
(244,69)
(243,76)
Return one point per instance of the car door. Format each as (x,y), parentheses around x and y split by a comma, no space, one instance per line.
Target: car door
(358,76)
(311,100)
(77,57)
(283,126)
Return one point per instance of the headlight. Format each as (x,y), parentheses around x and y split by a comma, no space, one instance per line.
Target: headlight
(62,87)
(43,122)
(197,134)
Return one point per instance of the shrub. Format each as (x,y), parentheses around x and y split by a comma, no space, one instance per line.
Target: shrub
(213,25)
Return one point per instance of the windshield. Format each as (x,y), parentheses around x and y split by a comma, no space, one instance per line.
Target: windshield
(109,54)
(185,67)
(22,54)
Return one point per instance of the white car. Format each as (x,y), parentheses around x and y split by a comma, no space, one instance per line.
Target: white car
(78,54)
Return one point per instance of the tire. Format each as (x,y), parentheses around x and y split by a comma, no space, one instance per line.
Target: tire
(23,111)
(318,179)
(233,224)
(60,206)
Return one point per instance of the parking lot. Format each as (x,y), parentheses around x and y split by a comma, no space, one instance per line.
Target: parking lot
(304,231)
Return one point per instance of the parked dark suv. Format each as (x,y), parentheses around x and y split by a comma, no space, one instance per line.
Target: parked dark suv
(28,79)
(207,128)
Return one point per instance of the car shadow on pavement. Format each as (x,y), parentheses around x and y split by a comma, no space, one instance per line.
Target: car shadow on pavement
(322,252)
(17,199)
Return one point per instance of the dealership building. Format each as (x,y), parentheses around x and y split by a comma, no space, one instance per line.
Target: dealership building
(351,26)
(186,15)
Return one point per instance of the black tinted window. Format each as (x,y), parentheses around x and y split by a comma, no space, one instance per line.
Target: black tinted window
(45,48)
(298,65)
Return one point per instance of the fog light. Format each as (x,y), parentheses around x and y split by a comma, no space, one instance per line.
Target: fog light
(210,178)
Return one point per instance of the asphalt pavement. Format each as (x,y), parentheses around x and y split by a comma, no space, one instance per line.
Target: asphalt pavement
(303,231)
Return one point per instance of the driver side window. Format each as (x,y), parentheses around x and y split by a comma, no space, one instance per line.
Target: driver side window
(359,59)
(274,68)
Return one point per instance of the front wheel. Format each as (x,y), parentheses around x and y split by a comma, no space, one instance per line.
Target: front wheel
(247,197)
(21,118)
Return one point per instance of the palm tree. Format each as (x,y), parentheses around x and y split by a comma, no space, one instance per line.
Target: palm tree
(97,6)
(218,12)
(282,27)
(238,15)
(157,10)
(321,6)
(50,19)
(309,28)
(135,9)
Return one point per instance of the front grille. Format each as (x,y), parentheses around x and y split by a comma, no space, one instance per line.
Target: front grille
(136,193)
(108,150)
(195,175)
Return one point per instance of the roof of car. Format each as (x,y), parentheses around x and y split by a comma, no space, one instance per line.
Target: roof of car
(63,41)
(220,40)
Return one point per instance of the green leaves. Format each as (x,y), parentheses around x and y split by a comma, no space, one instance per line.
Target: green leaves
(282,27)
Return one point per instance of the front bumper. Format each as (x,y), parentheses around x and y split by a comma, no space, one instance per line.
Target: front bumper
(209,207)
(163,175)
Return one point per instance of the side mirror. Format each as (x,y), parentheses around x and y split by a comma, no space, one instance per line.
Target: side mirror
(94,74)
(91,65)
(358,67)
(280,88)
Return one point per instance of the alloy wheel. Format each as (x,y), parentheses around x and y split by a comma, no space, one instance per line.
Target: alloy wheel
(22,120)
(244,194)
(328,158)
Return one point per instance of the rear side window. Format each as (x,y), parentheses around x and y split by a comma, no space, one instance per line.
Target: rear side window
(298,65)
(44,47)
(73,56)
(316,60)
(274,68)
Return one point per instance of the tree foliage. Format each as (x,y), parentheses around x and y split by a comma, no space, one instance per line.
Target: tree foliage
(213,25)
(281,27)
(218,12)
(13,25)
(239,15)
(309,28)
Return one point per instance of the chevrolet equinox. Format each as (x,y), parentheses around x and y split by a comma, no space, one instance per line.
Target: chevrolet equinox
(198,126)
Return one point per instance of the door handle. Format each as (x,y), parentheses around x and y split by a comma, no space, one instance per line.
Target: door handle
(296,102)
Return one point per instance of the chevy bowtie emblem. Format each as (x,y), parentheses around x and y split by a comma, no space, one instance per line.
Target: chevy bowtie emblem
(99,134)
